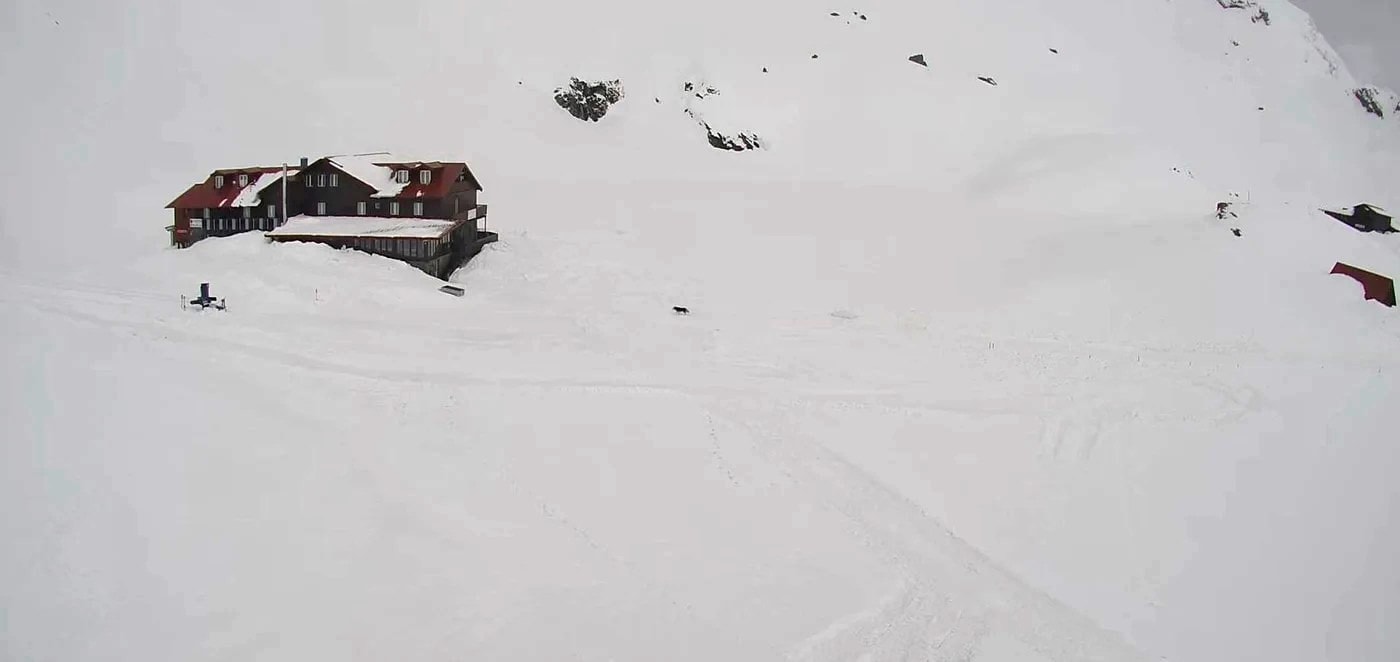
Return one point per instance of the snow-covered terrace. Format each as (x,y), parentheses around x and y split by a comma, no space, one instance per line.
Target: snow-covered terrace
(363,226)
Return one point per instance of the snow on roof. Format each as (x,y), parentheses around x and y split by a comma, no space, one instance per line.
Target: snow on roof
(364,168)
(363,226)
(250,196)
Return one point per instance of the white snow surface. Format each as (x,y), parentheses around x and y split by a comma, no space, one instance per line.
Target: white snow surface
(251,195)
(363,168)
(971,373)
(363,226)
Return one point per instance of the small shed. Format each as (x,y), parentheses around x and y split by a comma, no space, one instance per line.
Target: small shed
(1378,288)
(1365,218)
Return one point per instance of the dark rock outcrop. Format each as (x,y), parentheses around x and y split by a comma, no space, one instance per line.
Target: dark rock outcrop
(588,101)
(1261,15)
(918,58)
(738,142)
(1367,97)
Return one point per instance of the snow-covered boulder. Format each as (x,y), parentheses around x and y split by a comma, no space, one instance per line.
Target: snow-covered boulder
(588,101)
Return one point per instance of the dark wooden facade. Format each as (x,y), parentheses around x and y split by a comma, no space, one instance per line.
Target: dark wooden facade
(1365,218)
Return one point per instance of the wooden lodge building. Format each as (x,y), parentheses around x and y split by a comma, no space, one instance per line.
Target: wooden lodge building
(423,213)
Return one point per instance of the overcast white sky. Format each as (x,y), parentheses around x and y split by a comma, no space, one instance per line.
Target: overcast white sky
(1365,32)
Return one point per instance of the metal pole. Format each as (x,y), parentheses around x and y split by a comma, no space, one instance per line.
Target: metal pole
(284,194)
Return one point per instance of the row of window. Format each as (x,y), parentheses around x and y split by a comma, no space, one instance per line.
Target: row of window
(235,224)
(362,208)
(424,176)
(322,180)
(412,248)
(248,212)
(219,180)
(332,179)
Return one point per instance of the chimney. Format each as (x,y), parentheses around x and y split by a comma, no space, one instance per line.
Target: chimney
(303,162)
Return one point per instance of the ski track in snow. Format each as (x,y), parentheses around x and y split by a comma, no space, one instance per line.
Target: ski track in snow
(950,595)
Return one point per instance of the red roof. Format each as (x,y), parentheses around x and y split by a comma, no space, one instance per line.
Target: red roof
(205,194)
(444,176)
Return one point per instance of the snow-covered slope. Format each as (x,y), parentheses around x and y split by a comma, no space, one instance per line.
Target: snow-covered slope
(973,372)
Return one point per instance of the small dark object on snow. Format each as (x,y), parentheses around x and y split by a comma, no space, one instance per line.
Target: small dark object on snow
(689,87)
(1055,51)
(1263,15)
(835,14)
(1261,108)
(1367,97)
(988,80)
(765,70)
(1222,209)
(204,300)
(658,99)
(814,56)
(588,101)
(1234,42)
(1236,231)
(453,290)
(680,310)
(862,17)
(918,58)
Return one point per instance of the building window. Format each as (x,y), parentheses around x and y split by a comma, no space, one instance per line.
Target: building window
(425,177)
(206,213)
(320,209)
(218,181)
(417,209)
(306,181)
(242,180)
(272,211)
(401,176)
(247,212)
(360,207)
(394,208)
(335,179)
(321,180)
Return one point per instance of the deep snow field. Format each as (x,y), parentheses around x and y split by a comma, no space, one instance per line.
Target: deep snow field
(972,372)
